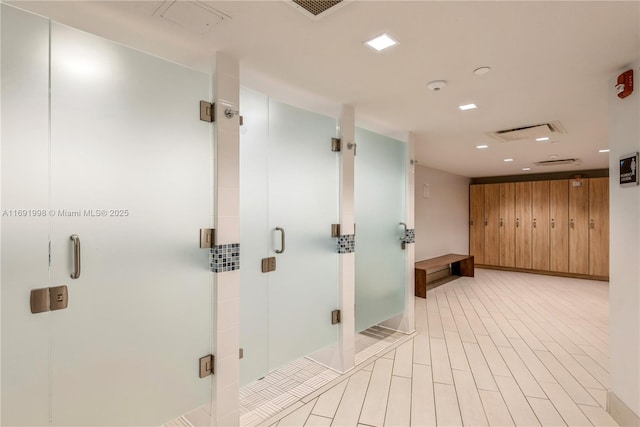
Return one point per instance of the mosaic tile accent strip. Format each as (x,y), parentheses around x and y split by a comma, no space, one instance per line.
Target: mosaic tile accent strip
(346,244)
(411,236)
(225,258)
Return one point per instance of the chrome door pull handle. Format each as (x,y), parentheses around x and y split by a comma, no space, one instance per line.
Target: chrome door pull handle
(404,231)
(76,256)
(282,241)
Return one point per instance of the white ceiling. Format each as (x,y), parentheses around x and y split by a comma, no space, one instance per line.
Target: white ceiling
(550,60)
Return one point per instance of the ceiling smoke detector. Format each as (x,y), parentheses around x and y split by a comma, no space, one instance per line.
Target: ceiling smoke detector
(436,85)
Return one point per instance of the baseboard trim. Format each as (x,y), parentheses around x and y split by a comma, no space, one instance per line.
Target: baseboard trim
(620,412)
(544,272)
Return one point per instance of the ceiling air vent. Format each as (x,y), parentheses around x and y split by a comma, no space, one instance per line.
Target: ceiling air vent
(316,9)
(532,132)
(558,162)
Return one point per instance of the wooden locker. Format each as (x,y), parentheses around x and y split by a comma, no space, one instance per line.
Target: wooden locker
(579,226)
(492,224)
(559,226)
(476,223)
(523,225)
(599,226)
(507,224)
(540,225)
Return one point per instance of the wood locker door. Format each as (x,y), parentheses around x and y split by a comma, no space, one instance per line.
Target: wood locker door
(599,226)
(540,225)
(523,225)
(508,224)
(476,223)
(559,222)
(492,224)
(579,226)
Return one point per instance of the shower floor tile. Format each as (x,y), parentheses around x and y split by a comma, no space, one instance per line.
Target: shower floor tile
(289,384)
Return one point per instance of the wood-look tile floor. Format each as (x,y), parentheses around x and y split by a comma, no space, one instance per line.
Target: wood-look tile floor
(500,349)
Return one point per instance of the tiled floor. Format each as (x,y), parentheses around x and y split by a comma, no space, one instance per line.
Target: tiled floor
(288,384)
(499,349)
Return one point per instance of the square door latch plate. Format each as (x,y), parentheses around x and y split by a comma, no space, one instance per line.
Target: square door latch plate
(268,264)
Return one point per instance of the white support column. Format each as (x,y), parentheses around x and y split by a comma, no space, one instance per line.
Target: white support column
(341,356)
(347,264)
(226,304)
(406,322)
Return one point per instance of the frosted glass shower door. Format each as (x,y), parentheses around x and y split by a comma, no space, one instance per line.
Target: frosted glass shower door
(380,208)
(288,180)
(303,201)
(131,176)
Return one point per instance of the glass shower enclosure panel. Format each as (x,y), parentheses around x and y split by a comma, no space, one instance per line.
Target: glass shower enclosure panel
(25,225)
(288,199)
(303,201)
(131,178)
(380,169)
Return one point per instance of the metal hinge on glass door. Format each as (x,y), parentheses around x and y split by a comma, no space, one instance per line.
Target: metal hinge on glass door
(207,111)
(207,364)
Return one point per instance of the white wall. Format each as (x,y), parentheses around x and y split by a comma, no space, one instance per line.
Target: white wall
(442,220)
(624,290)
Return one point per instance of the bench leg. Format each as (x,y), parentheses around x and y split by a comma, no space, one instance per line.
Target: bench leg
(420,283)
(466,267)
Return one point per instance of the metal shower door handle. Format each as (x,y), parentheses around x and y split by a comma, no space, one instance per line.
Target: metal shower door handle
(404,231)
(282,240)
(76,256)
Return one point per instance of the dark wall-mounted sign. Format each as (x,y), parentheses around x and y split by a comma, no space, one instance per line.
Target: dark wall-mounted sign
(629,170)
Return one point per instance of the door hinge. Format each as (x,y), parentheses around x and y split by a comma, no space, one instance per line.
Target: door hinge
(335,144)
(207,238)
(241,353)
(335,230)
(241,120)
(335,317)
(207,111)
(207,365)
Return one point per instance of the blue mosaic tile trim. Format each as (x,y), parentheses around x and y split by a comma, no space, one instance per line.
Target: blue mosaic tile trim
(411,236)
(225,258)
(346,244)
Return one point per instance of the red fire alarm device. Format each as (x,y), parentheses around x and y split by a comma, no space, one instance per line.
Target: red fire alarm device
(625,84)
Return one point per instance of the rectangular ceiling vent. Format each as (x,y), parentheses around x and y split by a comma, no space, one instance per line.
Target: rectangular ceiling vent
(548,130)
(316,9)
(558,162)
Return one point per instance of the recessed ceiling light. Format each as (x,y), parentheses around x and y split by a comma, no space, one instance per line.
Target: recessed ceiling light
(544,138)
(482,146)
(553,156)
(381,42)
(467,107)
(481,70)
(526,169)
(508,160)
(604,150)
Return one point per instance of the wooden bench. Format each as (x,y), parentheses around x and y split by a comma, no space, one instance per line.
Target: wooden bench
(460,265)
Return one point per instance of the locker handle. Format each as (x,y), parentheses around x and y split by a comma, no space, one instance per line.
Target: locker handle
(571,223)
(553,223)
(76,256)
(486,222)
(592,224)
(517,222)
(534,223)
(501,222)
